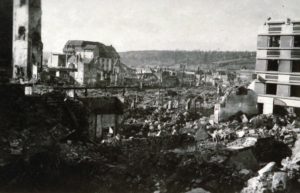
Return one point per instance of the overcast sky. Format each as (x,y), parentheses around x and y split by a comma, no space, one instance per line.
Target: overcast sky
(161,24)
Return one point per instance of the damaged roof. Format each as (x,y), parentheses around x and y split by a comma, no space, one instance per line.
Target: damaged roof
(103,105)
(80,45)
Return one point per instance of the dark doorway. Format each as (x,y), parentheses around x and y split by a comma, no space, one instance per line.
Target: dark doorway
(260,107)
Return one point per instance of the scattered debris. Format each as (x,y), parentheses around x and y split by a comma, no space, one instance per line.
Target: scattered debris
(156,148)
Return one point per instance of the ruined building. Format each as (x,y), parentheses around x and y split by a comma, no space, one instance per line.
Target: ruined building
(236,101)
(26,37)
(20,39)
(62,66)
(6,23)
(96,63)
(278,66)
(103,113)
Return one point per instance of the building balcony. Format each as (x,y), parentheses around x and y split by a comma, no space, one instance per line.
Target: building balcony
(279,77)
(279,100)
(278,54)
(296,29)
(280,28)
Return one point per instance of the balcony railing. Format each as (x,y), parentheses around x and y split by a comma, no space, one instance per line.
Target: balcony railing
(279,77)
(271,77)
(274,29)
(294,78)
(295,54)
(273,53)
(296,28)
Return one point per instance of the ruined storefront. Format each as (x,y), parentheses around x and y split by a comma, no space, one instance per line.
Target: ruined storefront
(105,115)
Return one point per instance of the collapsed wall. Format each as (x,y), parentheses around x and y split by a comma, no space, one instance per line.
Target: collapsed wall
(237,100)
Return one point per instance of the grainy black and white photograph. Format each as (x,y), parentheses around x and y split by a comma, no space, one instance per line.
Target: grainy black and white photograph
(159,96)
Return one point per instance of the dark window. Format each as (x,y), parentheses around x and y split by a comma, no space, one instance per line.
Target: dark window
(272,65)
(274,41)
(296,66)
(296,41)
(295,91)
(273,53)
(21,33)
(271,89)
(260,107)
(22,2)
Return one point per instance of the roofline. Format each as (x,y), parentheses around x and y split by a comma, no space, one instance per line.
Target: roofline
(276,22)
(283,21)
(295,21)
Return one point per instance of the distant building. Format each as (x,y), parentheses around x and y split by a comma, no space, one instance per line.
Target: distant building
(187,78)
(61,66)
(96,63)
(207,77)
(104,113)
(27,44)
(221,75)
(169,79)
(278,66)
(246,75)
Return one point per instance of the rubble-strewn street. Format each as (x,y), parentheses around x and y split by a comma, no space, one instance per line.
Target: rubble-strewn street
(139,96)
(160,148)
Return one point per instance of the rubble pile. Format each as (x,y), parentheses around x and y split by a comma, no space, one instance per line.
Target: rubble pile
(267,137)
(167,112)
(165,164)
(159,148)
(33,126)
(159,164)
(283,177)
(275,179)
(262,126)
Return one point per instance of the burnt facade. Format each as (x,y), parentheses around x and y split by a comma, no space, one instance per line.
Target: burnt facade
(27,44)
(97,64)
